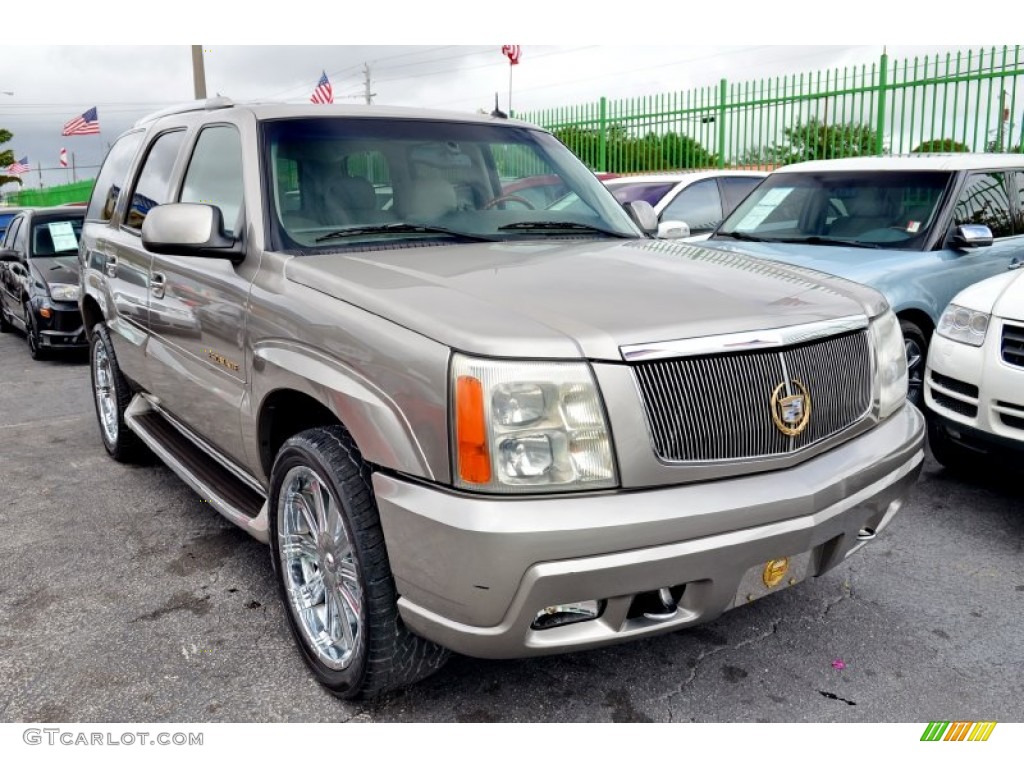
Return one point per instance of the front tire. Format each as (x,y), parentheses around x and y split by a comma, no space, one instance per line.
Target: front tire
(916,345)
(333,571)
(35,349)
(111,396)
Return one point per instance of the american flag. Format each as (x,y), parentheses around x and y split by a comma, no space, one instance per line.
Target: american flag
(63,158)
(86,123)
(19,167)
(513,52)
(323,93)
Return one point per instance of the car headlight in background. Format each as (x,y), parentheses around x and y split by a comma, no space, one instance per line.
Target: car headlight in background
(64,292)
(891,369)
(528,427)
(963,325)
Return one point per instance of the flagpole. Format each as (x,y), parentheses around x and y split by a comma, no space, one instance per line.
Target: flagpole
(74,177)
(510,88)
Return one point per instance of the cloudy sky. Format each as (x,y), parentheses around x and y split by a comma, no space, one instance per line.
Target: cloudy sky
(56,77)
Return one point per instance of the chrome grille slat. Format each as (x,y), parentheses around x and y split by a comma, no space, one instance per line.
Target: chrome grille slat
(718,407)
(1013,344)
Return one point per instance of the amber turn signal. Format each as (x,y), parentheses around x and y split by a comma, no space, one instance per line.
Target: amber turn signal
(471,431)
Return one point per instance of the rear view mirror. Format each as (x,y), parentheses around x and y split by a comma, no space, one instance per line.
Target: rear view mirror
(188,229)
(673,230)
(972,236)
(643,215)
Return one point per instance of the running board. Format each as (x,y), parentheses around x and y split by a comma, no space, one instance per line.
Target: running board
(236,500)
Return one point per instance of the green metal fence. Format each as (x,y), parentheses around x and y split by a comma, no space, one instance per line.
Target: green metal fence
(78,192)
(966,102)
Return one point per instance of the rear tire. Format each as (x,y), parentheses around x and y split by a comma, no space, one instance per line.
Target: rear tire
(333,572)
(915,343)
(111,396)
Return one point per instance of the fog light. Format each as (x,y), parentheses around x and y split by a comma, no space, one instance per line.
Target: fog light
(45,312)
(567,613)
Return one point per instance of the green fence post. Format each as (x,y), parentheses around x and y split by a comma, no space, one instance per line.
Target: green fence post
(723,93)
(883,82)
(602,137)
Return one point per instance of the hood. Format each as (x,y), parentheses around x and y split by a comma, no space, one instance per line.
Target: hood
(1002,295)
(863,265)
(56,269)
(566,299)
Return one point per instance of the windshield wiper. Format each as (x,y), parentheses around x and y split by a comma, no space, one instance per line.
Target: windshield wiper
(744,236)
(574,226)
(818,240)
(401,228)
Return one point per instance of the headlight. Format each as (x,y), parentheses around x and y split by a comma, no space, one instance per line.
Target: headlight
(528,427)
(891,363)
(963,325)
(64,292)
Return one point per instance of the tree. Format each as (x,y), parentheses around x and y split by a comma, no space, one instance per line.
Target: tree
(816,140)
(625,153)
(6,157)
(941,145)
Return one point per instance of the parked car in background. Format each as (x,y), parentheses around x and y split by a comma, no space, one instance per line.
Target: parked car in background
(699,199)
(6,214)
(39,279)
(974,384)
(918,228)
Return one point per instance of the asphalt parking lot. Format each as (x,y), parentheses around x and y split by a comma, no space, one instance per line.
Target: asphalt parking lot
(123,598)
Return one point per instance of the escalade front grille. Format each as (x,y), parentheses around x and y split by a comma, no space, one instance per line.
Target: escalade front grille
(719,407)
(1013,344)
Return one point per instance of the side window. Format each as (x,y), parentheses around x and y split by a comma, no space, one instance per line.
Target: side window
(11,233)
(698,205)
(985,201)
(214,174)
(1019,196)
(735,188)
(19,237)
(112,177)
(154,181)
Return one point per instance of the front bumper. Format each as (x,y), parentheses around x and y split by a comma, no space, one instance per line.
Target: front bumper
(977,396)
(473,572)
(63,329)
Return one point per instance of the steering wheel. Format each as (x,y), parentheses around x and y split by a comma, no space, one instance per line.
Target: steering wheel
(508,199)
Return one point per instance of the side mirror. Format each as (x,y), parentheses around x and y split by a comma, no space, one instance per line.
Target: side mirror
(643,215)
(673,230)
(188,229)
(7,254)
(971,236)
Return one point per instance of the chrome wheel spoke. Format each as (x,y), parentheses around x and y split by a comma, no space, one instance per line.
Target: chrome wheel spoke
(297,545)
(319,567)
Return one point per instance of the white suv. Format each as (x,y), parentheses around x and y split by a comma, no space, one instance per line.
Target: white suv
(974,383)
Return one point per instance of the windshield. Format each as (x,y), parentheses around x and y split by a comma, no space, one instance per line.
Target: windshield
(336,182)
(55,237)
(871,209)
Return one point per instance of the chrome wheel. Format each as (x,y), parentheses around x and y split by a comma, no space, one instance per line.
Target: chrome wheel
(106,397)
(321,577)
(915,369)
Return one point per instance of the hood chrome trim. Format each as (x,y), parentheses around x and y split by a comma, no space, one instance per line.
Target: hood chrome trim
(739,342)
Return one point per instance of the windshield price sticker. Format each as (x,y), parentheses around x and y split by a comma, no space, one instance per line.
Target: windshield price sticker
(771,200)
(63,235)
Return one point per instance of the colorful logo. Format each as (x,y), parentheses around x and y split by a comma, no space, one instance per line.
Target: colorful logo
(945,731)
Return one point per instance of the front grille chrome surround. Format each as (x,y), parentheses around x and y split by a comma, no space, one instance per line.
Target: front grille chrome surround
(717,408)
(1012,347)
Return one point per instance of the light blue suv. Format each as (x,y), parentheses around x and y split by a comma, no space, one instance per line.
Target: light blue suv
(918,228)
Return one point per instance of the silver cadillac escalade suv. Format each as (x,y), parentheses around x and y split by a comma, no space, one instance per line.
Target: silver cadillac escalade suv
(462,422)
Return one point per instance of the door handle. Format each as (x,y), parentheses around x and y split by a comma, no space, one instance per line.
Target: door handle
(111,265)
(157,284)
(1016,264)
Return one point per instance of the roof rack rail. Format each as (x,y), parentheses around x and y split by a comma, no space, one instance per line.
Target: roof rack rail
(214,102)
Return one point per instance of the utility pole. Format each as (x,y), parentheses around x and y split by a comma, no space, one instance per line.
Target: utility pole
(366,83)
(198,72)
